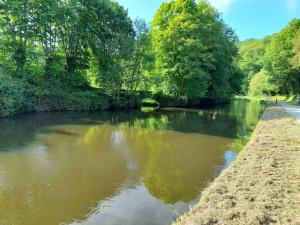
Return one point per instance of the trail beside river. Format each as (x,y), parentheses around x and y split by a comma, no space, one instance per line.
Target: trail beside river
(263,185)
(292,109)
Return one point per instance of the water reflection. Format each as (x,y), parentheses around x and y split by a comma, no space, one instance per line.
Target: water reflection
(146,208)
(229,157)
(115,167)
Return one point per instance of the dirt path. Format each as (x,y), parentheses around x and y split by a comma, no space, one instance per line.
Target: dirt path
(263,185)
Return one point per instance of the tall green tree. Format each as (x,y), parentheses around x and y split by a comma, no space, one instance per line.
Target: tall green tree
(72,35)
(46,24)
(16,26)
(134,66)
(179,50)
(295,61)
(278,57)
(221,41)
(260,84)
(250,58)
(189,39)
(110,37)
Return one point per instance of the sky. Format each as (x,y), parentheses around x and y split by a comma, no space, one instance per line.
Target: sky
(249,18)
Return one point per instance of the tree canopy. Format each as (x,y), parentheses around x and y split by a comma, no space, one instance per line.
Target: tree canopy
(275,60)
(64,35)
(194,50)
(187,53)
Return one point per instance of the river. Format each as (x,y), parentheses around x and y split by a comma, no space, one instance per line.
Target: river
(116,167)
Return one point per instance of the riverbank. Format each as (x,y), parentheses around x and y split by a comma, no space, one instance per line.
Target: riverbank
(19,96)
(263,185)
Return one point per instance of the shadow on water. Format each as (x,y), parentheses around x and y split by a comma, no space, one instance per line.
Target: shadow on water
(237,119)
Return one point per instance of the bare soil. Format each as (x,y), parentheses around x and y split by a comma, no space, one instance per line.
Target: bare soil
(263,185)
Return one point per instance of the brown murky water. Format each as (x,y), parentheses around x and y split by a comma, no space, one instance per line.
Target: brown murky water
(115,168)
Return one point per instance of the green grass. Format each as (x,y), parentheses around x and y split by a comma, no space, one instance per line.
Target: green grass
(258,98)
(289,99)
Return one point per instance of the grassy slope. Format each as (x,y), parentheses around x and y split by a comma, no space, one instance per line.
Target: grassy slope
(263,185)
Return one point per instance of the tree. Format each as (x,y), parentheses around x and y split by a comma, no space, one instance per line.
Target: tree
(278,58)
(133,73)
(250,58)
(179,50)
(46,24)
(221,41)
(16,25)
(110,35)
(295,61)
(188,53)
(236,79)
(260,84)
(72,36)
(274,58)
(189,39)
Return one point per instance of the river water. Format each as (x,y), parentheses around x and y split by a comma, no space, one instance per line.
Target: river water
(116,168)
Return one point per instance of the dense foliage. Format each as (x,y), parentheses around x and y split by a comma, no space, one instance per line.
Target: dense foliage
(56,39)
(272,64)
(72,46)
(49,49)
(250,60)
(194,50)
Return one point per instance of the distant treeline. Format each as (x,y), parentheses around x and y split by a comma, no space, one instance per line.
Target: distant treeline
(272,65)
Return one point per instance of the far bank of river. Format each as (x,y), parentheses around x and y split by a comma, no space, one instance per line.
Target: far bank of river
(263,185)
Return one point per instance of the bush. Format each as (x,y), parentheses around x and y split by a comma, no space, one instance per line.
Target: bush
(149,102)
(18,96)
(12,98)
(260,84)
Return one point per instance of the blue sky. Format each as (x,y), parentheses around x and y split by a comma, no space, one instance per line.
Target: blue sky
(249,18)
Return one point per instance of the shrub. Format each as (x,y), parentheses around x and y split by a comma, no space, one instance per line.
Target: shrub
(18,96)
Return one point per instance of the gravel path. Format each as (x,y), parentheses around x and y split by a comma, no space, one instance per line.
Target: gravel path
(263,184)
(292,109)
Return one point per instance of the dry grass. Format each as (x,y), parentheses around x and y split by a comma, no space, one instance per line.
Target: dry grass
(263,185)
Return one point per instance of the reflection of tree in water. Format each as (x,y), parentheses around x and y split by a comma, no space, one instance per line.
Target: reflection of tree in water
(88,163)
(233,120)
(62,181)
(247,114)
(174,166)
(174,174)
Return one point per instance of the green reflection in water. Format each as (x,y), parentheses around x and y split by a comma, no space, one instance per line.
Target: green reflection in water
(59,178)
(174,166)
(61,167)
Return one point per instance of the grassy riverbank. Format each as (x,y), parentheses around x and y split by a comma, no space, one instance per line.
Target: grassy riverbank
(262,186)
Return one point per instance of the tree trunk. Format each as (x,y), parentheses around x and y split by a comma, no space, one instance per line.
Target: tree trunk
(20,58)
(49,64)
(71,63)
